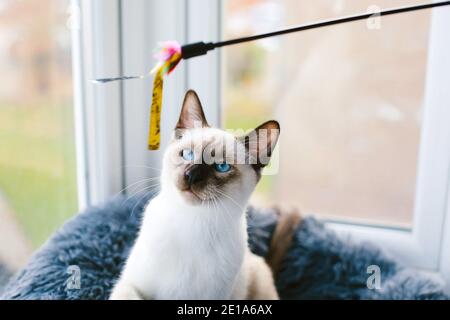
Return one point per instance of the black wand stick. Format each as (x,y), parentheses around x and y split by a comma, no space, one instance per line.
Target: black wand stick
(201,48)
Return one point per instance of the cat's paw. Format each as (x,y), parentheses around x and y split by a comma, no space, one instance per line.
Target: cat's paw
(124,291)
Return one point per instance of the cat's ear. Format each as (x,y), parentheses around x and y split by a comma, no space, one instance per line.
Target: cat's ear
(192,115)
(261,142)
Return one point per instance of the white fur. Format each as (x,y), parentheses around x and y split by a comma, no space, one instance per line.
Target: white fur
(186,251)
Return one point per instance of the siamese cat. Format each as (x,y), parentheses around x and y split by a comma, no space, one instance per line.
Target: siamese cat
(192,243)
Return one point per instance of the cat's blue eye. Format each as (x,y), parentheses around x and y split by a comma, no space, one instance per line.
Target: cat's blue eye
(222,167)
(187,154)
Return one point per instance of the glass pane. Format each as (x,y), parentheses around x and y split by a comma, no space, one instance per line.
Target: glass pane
(348,98)
(37,154)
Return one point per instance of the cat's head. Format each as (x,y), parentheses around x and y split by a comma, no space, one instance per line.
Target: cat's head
(204,164)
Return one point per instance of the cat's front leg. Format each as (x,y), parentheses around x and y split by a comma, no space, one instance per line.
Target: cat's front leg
(125,291)
(260,282)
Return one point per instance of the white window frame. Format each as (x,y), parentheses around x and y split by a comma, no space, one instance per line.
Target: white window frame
(114,39)
(98,109)
(119,39)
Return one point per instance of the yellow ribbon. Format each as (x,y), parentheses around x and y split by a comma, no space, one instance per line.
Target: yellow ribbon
(154,135)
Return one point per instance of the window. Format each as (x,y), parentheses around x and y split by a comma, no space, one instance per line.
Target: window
(37,154)
(349,100)
(361,107)
(371,106)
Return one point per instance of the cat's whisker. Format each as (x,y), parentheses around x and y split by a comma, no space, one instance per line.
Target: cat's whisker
(138,182)
(133,184)
(211,230)
(143,189)
(216,218)
(137,203)
(150,189)
(142,166)
(229,197)
(228,216)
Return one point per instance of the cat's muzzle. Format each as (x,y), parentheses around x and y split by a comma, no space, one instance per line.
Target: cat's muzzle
(196,174)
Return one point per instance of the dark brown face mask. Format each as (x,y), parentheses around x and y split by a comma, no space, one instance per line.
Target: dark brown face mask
(196,174)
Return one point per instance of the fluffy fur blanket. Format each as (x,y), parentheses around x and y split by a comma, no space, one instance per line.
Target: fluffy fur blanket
(319,264)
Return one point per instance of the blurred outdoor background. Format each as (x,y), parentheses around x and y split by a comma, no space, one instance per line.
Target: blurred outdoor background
(37,149)
(348,98)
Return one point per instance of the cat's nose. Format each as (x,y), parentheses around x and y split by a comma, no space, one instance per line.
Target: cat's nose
(195,174)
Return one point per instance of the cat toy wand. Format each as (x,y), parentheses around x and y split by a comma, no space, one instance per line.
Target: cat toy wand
(172,53)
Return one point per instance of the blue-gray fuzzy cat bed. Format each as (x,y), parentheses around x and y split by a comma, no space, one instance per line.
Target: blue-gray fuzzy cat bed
(319,264)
